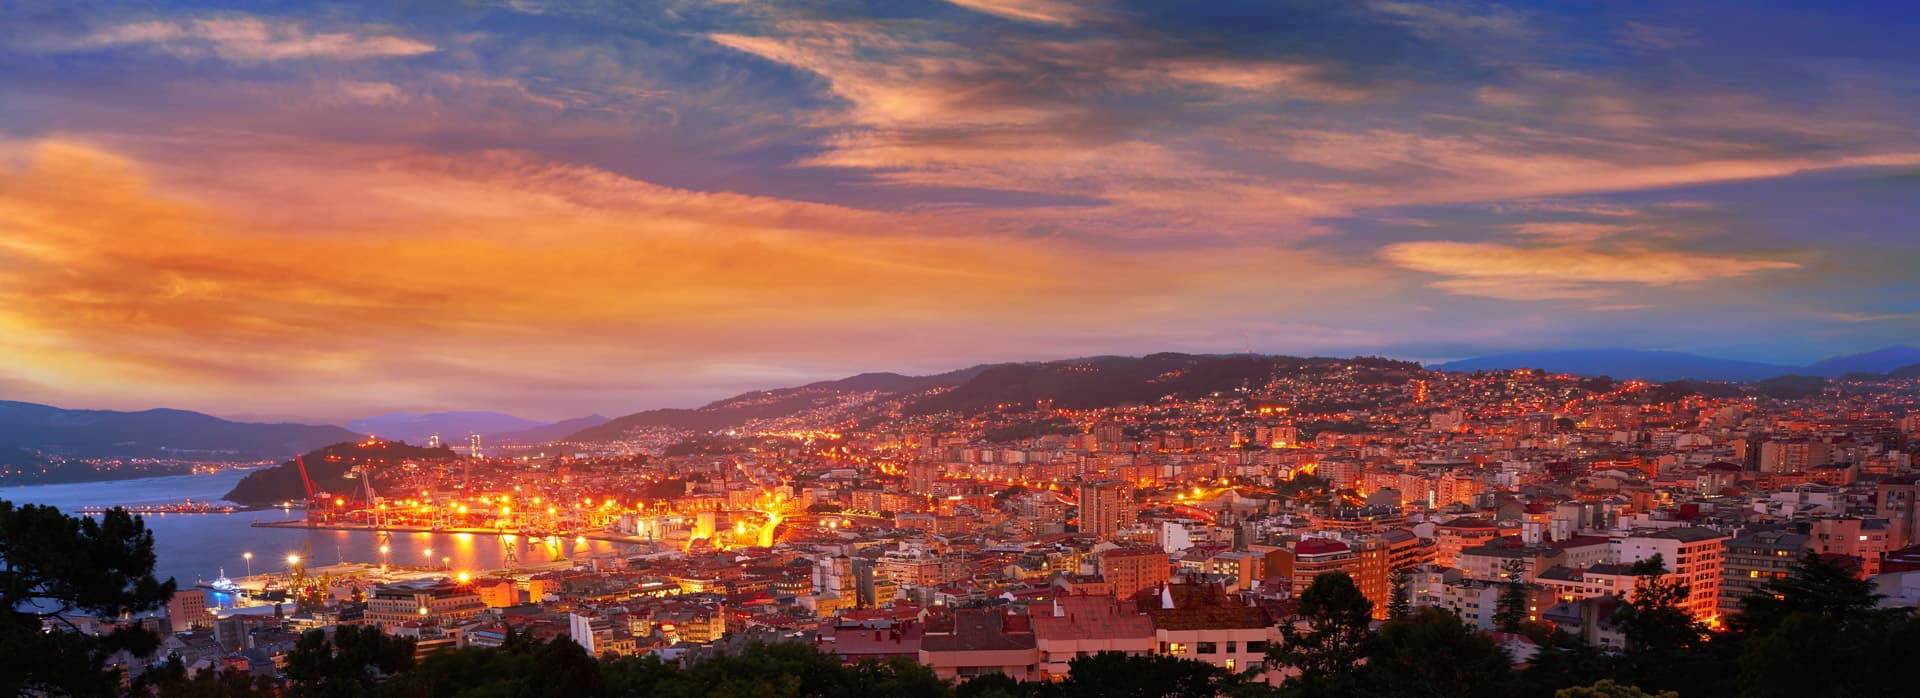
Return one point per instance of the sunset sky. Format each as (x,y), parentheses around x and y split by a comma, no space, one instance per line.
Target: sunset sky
(320,212)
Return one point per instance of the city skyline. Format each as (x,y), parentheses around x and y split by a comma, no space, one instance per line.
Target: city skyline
(280,210)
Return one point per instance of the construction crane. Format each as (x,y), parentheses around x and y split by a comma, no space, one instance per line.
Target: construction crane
(313,500)
(365,473)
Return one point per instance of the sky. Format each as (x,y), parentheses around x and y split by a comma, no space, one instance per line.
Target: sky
(324,211)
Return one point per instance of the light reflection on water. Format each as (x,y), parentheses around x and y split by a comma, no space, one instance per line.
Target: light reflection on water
(193,547)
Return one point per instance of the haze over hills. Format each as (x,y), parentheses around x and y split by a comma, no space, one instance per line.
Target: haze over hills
(1672,366)
(1881,361)
(763,404)
(453,427)
(545,433)
(26,428)
(154,433)
(1072,383)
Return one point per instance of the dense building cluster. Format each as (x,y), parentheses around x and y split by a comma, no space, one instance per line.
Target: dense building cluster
(1015,539)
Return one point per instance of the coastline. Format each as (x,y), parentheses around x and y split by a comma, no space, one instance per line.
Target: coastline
(297,524)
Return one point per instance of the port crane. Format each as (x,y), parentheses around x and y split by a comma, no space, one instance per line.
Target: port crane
(315,502)
(364,473)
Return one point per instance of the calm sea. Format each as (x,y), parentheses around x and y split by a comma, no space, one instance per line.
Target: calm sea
(192,547)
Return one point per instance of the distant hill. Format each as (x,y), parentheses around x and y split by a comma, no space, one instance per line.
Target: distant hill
(1905,372)
(1661,366)
(1074,383)
(328,468)
(154,433)
(766,404)
(1881,361)
(1110,380)
(546,433)
(1666,366)
(453,427)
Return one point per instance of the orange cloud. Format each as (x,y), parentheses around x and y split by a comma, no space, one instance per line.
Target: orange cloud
(1563,271)
(430,280)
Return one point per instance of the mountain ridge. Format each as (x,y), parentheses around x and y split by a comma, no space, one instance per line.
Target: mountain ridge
(1066,383)
(154,433)
(1665,366)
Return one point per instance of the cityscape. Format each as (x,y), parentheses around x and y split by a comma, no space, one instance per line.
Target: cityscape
(959,349)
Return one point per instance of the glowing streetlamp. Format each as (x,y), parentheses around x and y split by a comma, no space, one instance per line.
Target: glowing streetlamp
(248,556)
(446,563)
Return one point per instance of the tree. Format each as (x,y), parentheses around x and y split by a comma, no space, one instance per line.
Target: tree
(1434,653)
(991,686)
(1664,642)
(1510,610)
(1565,660)
(1337,617)
(1606,688)
(1400,604)
(561,668)
(771,671)
(1815,586)
(170,681)
(349,663)
(1820,615)
(54,568)
(1116,675)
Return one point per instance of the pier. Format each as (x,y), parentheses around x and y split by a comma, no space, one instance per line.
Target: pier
(182,507)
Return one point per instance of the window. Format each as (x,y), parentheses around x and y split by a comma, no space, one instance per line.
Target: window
(1233,646)
(1207,647)
(1174,647)
(1257,646)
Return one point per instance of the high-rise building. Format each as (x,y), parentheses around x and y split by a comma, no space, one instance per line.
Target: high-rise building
(1459,534)
(188,610)
(473,445)
(1752,559)
(1695,555)
(433,441)
(1131,570)
(1105,506)
(1862,539)
(921,475)
(589,630)
(1894,500)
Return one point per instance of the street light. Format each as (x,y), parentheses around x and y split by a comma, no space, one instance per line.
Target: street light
(249,558)
(446,563)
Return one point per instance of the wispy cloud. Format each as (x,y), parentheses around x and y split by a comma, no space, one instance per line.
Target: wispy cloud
(248,39)
(1512,272)
(1043,11)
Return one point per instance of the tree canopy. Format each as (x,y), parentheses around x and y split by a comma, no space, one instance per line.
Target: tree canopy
(55,568)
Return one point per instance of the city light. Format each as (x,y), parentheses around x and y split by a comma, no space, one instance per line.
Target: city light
(1003,333)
